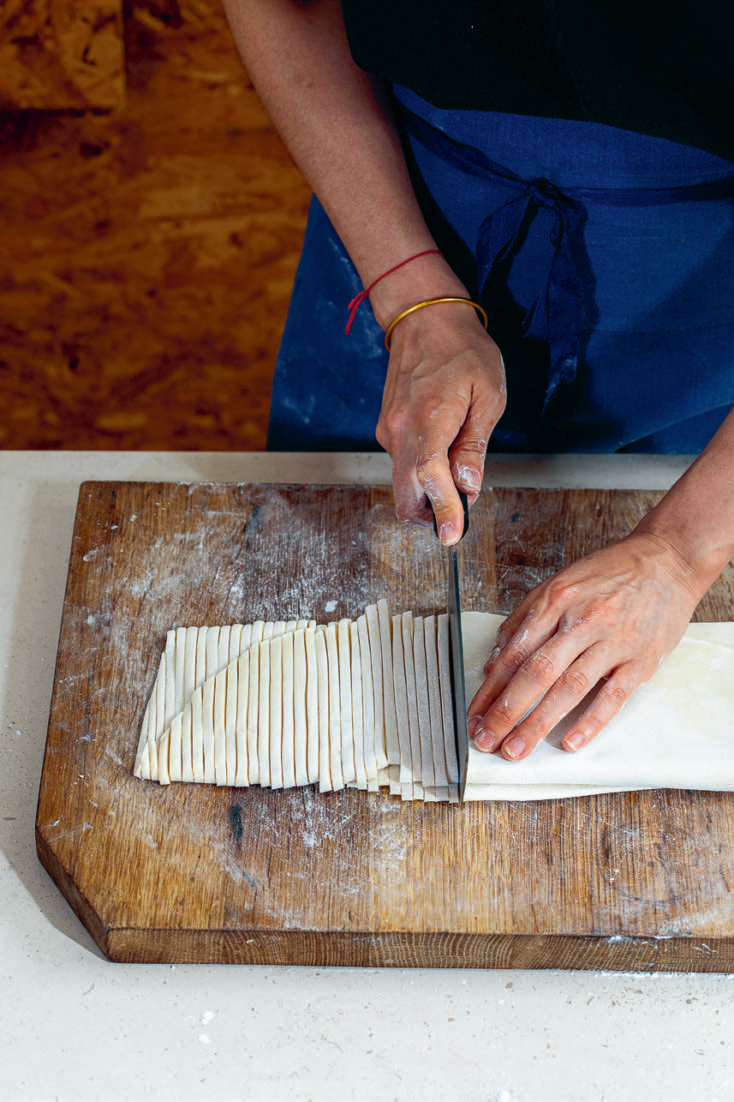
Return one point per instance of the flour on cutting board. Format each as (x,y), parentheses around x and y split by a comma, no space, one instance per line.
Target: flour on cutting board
(367,704)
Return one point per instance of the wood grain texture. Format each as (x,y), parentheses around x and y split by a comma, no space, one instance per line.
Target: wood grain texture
(147,255)
(61,54)
(197,873)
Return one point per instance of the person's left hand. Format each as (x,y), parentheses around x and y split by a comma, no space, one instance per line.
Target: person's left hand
(613,615)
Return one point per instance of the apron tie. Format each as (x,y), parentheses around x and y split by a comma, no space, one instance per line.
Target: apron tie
(560,309)
(563,307)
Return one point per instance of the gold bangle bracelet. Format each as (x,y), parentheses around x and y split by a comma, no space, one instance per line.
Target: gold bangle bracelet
(432,302)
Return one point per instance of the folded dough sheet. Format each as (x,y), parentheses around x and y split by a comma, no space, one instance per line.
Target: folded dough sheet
(677,731)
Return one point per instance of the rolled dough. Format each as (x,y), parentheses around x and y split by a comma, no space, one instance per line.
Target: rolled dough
(291,703)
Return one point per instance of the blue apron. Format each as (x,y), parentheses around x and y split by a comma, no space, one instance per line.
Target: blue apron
(605,259)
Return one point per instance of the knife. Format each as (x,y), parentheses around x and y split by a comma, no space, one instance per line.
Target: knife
(456,648)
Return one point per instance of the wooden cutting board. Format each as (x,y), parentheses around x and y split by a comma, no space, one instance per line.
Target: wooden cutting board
(197,873)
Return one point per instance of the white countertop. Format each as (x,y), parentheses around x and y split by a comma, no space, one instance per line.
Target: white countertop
(73,1026)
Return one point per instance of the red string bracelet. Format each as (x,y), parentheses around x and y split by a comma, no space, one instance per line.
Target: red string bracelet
(357,301)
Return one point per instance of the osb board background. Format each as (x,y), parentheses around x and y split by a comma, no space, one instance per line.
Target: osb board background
(61,53)
(148,253)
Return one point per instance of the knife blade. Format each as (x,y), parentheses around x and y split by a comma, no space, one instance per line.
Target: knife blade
(458,687)
(456,648)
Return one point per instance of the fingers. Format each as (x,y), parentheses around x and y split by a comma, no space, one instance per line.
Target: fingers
(395,434)
(519,689)
(597,629)
(517,732)
(612,695)
(469,450)
(442,399)
(579,679)
(417,437)
(445,464)
(411,504)
(434,475)
(467,465)
(424,485)
(518,638)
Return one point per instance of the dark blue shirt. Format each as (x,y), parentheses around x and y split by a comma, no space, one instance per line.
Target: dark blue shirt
(666,70)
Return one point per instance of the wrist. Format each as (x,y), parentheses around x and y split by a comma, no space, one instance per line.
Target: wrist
(443,300)
(427,277)
(695,518)
(694,560)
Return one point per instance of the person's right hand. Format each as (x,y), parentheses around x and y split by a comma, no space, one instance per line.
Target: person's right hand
(445,392)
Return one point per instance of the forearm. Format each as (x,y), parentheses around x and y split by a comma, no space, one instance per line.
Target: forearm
(337,124)
(696,516)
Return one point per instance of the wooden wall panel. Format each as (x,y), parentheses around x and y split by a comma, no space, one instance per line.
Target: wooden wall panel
(148,254)
(61,53)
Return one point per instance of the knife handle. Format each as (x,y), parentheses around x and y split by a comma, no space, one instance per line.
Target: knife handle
(465,507)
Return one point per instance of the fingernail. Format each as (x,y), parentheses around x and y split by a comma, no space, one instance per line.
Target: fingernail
(485,740)
(447,532)
(472,723)
(471,479)
(574,741)
(515,746)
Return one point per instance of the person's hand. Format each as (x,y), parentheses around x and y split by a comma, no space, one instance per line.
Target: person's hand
(444,393)
(611,617)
